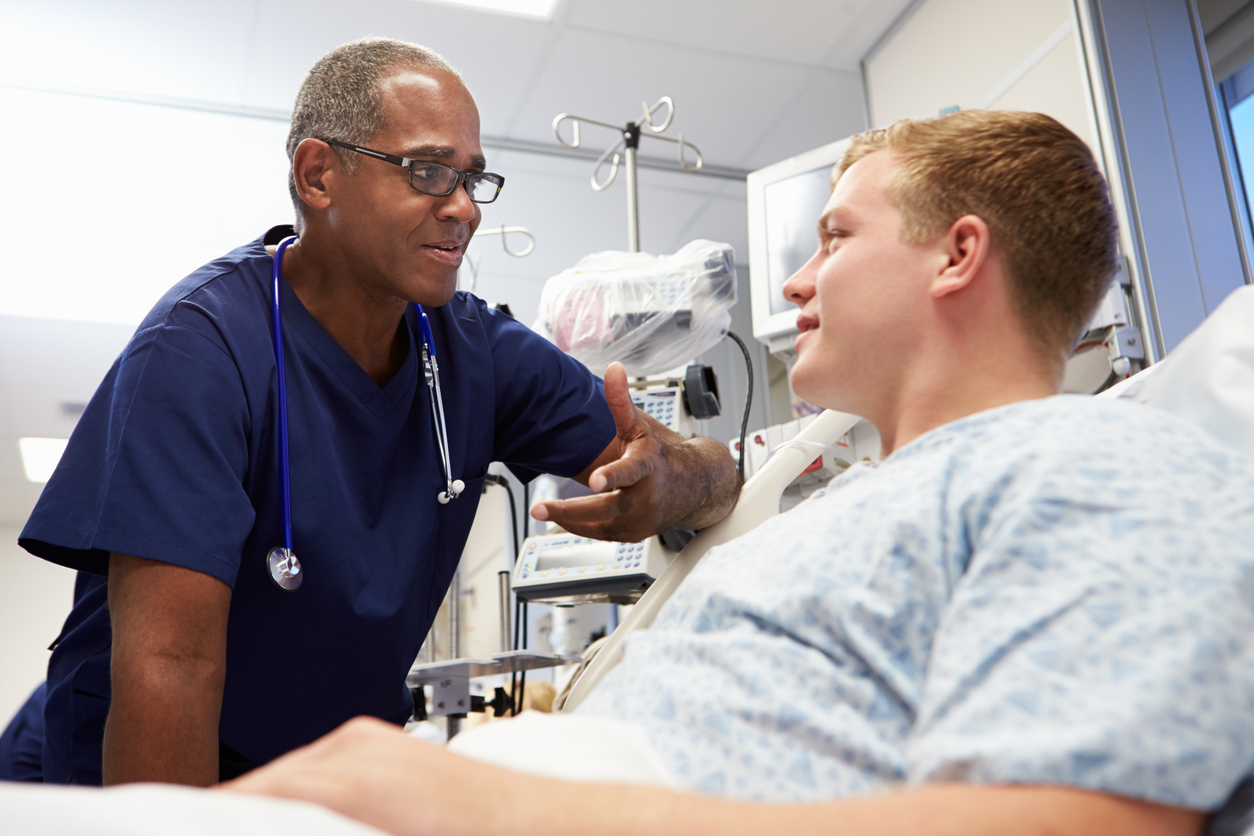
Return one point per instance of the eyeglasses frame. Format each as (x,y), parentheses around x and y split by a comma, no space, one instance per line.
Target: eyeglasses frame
(409,163)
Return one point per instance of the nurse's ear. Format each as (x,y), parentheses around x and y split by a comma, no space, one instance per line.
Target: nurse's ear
(314,166)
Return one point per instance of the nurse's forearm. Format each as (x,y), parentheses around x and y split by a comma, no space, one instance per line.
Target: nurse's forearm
(168,672)
(163,723)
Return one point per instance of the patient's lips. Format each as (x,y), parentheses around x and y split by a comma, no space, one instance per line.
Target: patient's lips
(805,324)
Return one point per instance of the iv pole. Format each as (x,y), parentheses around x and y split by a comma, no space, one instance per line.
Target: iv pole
(627,148)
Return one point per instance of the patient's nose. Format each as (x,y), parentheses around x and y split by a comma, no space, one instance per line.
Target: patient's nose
(799,288)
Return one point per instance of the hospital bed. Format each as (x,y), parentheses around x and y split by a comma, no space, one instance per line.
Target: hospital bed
(1208,379)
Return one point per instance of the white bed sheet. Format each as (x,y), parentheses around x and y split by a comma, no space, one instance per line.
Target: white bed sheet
(161,810)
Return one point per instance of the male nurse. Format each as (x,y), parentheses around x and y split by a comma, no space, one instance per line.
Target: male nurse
(182,660)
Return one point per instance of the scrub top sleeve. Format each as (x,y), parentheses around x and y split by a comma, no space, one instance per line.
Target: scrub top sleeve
(1102,638)
(551,415)
(157,464)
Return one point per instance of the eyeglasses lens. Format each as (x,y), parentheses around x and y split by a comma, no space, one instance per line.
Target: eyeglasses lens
(481,189)
(433,179)
(439,180)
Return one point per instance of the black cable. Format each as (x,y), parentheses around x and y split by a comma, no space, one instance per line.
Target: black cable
(522,677)
(515,703)
(526,506)
(744,422)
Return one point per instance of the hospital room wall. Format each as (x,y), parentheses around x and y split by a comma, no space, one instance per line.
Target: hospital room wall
(985,54)
(35,597)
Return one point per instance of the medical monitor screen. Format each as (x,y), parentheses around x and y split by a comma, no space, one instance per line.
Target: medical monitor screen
(792,213)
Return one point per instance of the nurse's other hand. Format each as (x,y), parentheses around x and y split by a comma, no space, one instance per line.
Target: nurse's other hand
(647,480)
(373,772)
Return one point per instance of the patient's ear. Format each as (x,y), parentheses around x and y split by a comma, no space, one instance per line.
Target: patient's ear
(967,246)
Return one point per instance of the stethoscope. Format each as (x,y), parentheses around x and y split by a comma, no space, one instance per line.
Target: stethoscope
(285,568)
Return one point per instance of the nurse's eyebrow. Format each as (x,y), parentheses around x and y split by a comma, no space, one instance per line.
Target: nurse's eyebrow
(444,152)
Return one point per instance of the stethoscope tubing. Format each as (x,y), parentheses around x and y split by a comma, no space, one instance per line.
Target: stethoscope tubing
(437,399)
(285,473)
(285,568)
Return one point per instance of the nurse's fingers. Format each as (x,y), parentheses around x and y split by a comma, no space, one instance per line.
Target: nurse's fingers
(607,516)
(627,419)
(634,467)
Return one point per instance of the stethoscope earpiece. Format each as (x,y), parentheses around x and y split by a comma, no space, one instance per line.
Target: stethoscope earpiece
(285,569)
(455,488)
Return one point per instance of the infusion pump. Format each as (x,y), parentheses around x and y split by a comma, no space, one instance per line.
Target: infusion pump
(665,404)
(564,568)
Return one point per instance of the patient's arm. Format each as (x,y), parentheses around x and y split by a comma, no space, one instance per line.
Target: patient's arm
(373,772)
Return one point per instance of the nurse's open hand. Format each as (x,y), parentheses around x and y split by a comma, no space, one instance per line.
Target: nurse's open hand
(648,479)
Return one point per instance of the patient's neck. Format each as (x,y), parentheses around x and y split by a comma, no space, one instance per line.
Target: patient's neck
(954,380)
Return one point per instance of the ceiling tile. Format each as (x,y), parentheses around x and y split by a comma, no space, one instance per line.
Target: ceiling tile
(497,55)
(788,31)
(43,364)
(47,362)
(852,43)
(831,108)
(720,101)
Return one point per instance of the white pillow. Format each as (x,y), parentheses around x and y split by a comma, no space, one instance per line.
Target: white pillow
(1209,377)
(1209,380)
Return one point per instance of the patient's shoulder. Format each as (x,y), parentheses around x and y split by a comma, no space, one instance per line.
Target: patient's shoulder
(1082,428)
(1091,462)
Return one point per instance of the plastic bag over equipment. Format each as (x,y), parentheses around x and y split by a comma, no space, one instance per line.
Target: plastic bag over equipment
(651,313)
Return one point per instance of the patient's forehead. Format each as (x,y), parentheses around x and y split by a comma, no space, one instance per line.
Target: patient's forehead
(860,195)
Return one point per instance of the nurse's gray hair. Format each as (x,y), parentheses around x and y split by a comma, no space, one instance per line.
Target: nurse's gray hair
(341,96)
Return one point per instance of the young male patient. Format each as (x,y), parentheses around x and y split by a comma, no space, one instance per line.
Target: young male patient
(1036,614)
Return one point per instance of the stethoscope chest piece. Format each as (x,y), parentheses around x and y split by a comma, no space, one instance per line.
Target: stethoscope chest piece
(284,569)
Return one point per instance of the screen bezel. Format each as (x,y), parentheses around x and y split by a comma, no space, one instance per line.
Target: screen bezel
(777,331)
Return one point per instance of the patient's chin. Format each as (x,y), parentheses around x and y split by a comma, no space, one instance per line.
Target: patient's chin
(804,384)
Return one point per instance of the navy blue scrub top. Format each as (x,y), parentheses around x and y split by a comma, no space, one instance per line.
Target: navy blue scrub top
(175,459)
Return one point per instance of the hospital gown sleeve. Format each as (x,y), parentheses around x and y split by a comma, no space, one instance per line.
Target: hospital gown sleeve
(156,466)
(1102,636)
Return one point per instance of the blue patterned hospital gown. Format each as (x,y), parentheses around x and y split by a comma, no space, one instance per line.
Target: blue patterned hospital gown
(1057,591)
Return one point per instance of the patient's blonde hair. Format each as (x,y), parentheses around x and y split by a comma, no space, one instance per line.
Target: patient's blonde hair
(1035,184)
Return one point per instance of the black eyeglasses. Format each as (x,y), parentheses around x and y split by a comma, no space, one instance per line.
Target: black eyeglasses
(437,179)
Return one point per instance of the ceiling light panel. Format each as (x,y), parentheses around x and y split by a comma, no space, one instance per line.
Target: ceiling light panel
(40,456)
(538,9)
